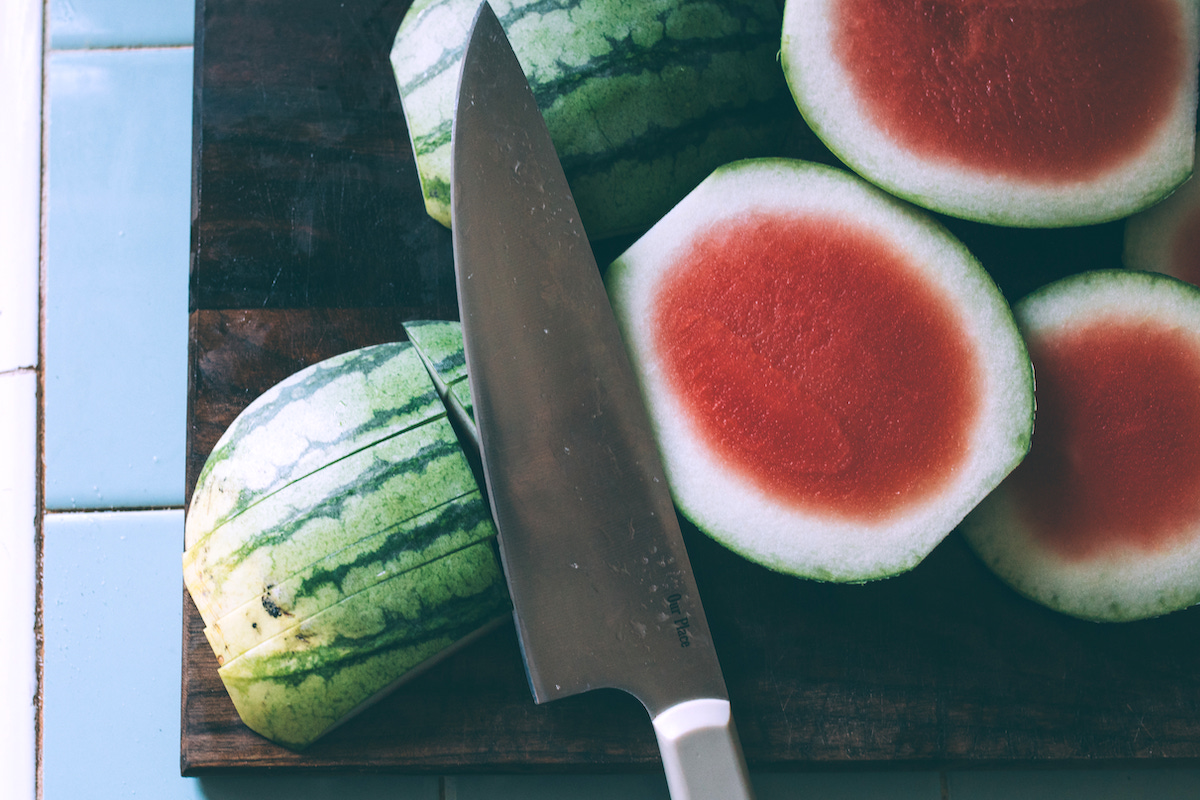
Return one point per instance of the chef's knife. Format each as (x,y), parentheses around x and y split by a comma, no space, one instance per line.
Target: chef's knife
(602,588)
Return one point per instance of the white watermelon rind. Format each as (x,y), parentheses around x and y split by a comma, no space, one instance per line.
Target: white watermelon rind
(1127,585)
(829,104)
(731,509)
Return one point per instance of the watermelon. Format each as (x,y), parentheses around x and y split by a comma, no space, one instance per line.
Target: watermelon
(337,542)
(833,379)
(642,99)
(440,345)
(303,683)
(1023,114)
(1102,520)
(1166,237)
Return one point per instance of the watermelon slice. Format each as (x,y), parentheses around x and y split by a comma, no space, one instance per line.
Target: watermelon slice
(833,378)
(1102,520)
(1023,114)
(1166,237)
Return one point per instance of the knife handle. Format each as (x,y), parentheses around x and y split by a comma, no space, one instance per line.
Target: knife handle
(701,753)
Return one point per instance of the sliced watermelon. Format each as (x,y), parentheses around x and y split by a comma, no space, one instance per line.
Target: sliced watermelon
(1102,520)
(834,380)
(1166,237)
(338,542)
(1029,114)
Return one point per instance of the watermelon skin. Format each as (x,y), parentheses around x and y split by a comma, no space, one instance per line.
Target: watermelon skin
(837,111)
(1113,533)
(642,100)
(358,496)
(408,545)
(440,344)
(327,582)
(305,423)
(304,682)
(803,538)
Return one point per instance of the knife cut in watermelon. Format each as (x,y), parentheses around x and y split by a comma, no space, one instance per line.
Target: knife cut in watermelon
(833,378)
(1022,114)
(1102,519)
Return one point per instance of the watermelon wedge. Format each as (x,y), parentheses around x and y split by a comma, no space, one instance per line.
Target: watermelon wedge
(1102,520)
(833,379)
(1022,114)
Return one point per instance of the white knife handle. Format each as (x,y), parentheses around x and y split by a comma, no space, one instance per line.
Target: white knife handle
(701,753)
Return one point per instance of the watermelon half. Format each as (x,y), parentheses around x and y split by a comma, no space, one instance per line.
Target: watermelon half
(1013,113)
(833,379)
(1102,520)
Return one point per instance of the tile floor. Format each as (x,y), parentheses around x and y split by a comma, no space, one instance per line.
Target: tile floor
(106,218)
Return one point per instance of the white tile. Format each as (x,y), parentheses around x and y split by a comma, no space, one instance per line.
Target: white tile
(20,179)
(1106,784)
(18,511)
(118,237)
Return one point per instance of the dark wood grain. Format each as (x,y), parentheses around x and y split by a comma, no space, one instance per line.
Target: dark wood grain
(310,239)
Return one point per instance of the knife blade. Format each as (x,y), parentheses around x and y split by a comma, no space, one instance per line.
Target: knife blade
(602,587)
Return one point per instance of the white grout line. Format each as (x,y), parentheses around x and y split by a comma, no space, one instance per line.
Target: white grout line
(21,29)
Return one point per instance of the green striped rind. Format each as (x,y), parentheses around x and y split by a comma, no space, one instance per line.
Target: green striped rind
(311,419)
(405,546)
(642,100)
(298,685)
(440,345)
(334,507)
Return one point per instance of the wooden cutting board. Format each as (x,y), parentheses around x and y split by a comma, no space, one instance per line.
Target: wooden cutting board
(310,239)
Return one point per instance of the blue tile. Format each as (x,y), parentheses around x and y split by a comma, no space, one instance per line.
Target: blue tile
(113,620)
(118,227)
(120,23)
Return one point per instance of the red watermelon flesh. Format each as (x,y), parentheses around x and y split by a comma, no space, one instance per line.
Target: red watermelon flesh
(1057,91)
(1040,114)
(847,421)
(1115,462)
(1102,519)
(833,379)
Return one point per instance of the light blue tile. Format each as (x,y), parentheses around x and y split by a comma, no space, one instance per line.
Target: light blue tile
(113,620)
(1158,784)
(121,23)
(118,227)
